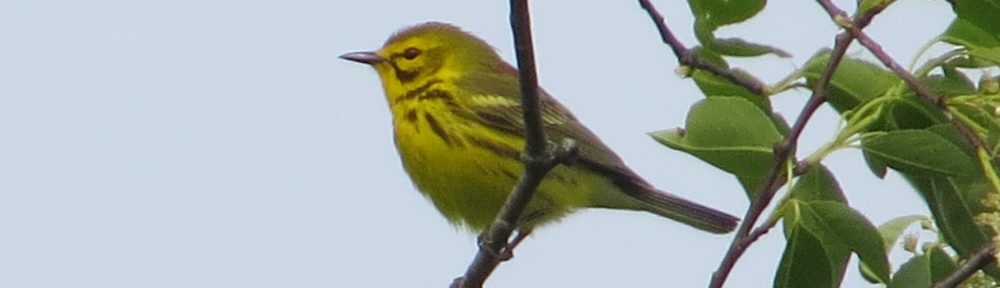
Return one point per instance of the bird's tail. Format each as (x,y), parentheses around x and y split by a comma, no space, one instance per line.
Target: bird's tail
(687,212)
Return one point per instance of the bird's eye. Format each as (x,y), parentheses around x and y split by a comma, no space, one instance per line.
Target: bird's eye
(411,53)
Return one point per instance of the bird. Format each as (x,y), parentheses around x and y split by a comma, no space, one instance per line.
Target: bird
(459,132)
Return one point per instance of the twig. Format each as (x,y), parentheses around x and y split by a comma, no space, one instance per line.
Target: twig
(980,259)
(928,96)
(921,90)
(783,152)
(538,158)
(687,57)
(985,255)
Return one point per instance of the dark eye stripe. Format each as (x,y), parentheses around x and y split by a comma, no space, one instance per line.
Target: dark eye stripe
(403,75)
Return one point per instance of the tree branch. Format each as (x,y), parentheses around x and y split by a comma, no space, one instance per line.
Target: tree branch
(783,152)
(538,158)
(687,57)
(980,259)
(984,256)
(911,81)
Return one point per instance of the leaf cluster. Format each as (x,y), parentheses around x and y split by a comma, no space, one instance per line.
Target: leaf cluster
(947,150)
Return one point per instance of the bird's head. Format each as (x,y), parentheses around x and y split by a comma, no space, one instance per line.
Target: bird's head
(429,51)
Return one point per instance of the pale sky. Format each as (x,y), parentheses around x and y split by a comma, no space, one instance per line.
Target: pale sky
(223,144)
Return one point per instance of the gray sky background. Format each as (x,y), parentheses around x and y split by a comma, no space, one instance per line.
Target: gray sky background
(223,144)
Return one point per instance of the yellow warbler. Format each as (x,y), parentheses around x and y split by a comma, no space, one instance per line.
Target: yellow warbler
(459,132)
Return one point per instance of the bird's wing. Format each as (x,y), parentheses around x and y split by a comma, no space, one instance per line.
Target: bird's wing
(495,101)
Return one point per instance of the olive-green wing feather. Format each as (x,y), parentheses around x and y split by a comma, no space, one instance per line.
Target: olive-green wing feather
(494,101)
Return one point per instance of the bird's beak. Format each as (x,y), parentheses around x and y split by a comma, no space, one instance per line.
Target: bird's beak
(369,58)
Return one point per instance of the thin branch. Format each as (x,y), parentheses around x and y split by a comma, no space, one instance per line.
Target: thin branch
(922,91)
(538,158)
(984,256)
(783,152)
(980,259)
(687,57)
(520,23)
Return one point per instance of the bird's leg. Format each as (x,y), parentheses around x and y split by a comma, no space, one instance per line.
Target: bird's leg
(507,252)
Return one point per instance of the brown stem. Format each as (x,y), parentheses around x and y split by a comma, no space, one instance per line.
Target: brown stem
(984,256)
(687,57)
(976,261)
(922,91)
(537,158)
(783,152)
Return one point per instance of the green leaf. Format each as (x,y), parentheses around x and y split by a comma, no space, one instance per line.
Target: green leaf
(752,184)
(731,122)
(941,263)
(875,164)
(781,124)
(982,114)
(725,12)
(805,262)
(952,202)
(982,45)
(969,62)
(855,231)
(838,230)
(893,229)
(980,13)
(710,57)
(818,185)
(712,14)
(854,82)
(713,85)
(956,76)
(955,202)
(963,33)
(948,86)
(908,113)
(923,270)
(917,151)
(953,135)
(991,54)
(914,273)
(727,132)
(869,4)
(890,232)
(743,48)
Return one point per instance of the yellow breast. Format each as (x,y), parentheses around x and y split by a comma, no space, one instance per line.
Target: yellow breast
(468,169)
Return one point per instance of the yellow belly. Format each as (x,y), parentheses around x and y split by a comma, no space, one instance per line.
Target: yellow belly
(469,181)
